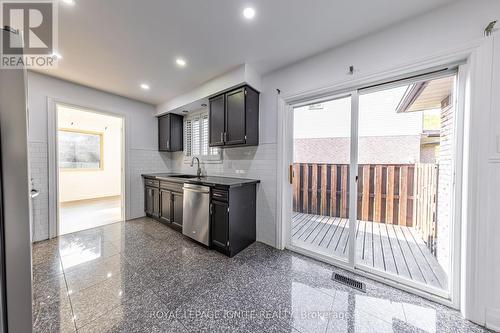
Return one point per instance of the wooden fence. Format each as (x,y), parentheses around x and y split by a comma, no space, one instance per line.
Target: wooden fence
(425,203)
(401,194)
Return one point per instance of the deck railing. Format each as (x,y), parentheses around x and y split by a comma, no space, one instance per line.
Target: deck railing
(400,194)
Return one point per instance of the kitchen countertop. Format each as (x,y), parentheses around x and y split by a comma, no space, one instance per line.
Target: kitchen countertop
(204,180)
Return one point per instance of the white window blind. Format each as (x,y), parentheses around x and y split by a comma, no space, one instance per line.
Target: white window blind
(188,150)
(196,138)
(204,135)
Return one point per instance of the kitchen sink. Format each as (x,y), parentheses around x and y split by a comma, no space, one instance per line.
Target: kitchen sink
(184,176)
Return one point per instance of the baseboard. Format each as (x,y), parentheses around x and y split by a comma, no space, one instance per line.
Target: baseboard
(493,319)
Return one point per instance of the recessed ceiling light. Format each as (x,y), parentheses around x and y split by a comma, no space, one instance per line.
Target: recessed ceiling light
(144,86)
(69,2)
(203,105)
(249,13)
(180,62)
(57,55)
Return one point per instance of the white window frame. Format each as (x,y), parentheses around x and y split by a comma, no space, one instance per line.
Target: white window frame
(286,105)
(213,158)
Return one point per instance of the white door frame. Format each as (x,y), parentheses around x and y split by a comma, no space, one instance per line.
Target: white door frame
(466,295)
(52,127)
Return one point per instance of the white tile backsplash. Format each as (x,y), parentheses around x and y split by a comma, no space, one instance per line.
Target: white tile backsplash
(39,174)
(246,162)
(142,161)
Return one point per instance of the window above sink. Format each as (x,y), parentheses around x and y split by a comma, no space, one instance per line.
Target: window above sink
(196,139)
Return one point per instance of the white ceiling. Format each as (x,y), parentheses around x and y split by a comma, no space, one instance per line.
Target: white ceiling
(114,45)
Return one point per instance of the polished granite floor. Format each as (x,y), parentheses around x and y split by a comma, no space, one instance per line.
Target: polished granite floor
(140,276)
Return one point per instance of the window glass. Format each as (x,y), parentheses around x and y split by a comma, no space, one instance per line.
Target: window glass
(196,138)
(80,150)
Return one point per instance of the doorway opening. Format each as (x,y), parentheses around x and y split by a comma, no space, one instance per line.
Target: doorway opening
(373,180)
(90,169)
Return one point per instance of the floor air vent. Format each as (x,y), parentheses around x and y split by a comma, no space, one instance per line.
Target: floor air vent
(349,282)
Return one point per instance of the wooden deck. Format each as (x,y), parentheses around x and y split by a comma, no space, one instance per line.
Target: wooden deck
(394,249)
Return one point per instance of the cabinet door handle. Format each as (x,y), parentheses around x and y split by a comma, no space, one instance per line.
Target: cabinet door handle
(211,209)
(168,144)
(225,136)
(221,137)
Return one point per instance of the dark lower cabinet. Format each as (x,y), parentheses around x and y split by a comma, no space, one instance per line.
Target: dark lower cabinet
(163,201)
(152,201)
(177,208)
(232,212)
(233,218)
(166,206)
(220,225)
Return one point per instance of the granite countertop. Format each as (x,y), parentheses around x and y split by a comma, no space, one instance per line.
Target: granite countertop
(204,180)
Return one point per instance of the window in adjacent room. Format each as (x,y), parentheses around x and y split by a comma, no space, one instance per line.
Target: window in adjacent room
(196,138)
(80,149)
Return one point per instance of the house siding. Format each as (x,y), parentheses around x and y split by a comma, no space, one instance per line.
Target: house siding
(402,149)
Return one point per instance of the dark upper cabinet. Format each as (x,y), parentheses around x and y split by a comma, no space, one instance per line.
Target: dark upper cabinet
(234,118)
(170,132)
(216,119)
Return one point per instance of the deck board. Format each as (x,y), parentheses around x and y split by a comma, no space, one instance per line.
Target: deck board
(399,258)
(389,261)
(329,233)
(394,249)
(378,252)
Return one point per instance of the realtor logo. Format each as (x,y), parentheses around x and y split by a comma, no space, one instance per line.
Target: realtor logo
(31,41)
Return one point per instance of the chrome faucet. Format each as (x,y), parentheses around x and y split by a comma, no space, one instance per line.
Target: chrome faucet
(198,171)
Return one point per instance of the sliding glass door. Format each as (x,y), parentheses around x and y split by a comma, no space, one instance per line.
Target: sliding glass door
(406,140)
(372,181)
(321,163)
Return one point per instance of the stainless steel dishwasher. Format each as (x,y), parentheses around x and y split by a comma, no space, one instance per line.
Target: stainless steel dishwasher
(196,213)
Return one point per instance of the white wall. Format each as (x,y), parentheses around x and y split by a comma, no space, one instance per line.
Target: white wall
(238,76)
(94,183)
(435,33)
(141,140)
